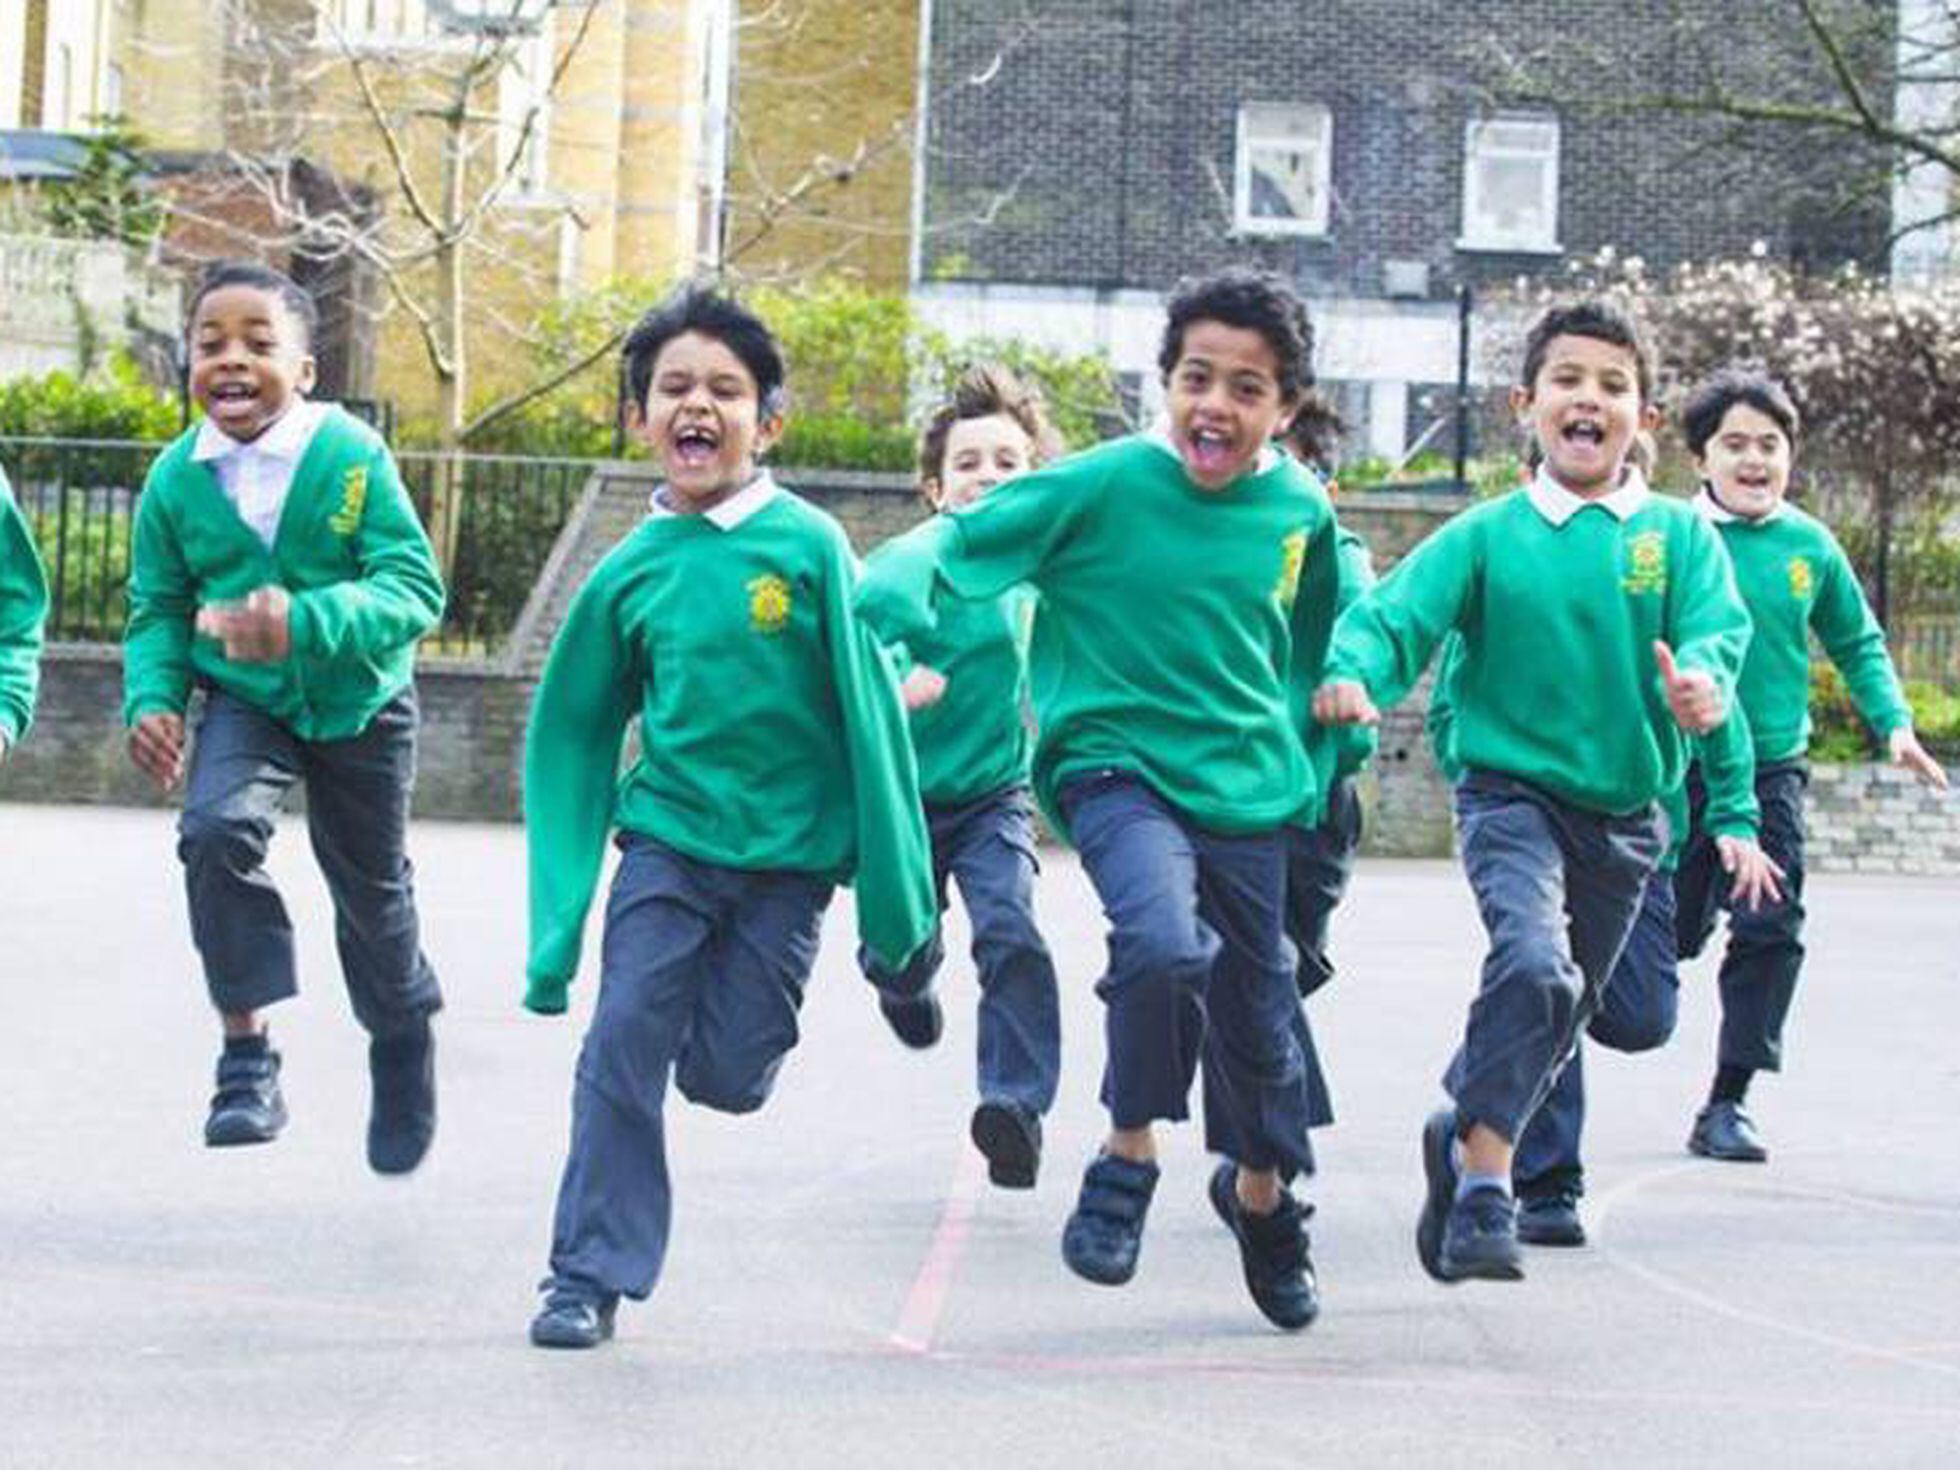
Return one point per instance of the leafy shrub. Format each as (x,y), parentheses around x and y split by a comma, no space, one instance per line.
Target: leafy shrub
(1839,734)
(115,403)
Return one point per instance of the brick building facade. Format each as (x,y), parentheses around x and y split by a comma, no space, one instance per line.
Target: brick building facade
(1081,155)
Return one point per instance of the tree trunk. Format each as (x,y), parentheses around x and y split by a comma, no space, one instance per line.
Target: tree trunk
(452,375)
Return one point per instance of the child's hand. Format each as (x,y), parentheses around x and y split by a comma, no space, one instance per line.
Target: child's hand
(1754,878)
(257,630)
(1693,697)
(1908,752)
(923,686)
(156,744)
(1344,702)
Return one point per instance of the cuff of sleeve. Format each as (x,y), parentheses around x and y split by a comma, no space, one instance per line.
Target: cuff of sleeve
(1741,827)
(137,712)
(546,995)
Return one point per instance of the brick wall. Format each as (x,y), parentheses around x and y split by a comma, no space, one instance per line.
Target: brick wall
(1100,152)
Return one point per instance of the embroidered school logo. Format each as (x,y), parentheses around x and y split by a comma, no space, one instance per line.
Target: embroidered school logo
(353,496)
(1802,580)
(768,603)
(1646,563)
(1293,555)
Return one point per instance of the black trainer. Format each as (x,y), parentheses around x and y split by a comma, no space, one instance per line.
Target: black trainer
(1481,1239)
(572,1317)
(1104,1235)
(1274,1251)
(1439,1177)
(247,1106)
(1551,1217)
(402,1117)
(1010,1136)
(1723,1131)
(915,1020)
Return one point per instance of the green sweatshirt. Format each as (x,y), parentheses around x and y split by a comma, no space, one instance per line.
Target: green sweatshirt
(771,736)
(1169,618)
(973,740)
(23,609)
(1728,765)
(1335,751)
(1556,681)
(349,550)
(1795,578)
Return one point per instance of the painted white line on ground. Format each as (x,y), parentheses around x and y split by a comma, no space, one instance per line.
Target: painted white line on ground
(1708,1302)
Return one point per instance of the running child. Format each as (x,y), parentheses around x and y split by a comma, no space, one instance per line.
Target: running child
(967,691)
(280,569)
(1598,623)
(1742,430)
(773,765)
(23,610)
(1174,569)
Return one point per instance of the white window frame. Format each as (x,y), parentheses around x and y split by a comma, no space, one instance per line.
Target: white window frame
(1477,234)
(1255,132)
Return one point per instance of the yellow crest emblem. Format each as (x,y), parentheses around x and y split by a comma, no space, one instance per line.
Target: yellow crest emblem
(1293,556)
(353,498)
(769,603)
(1803,581)
(1646,563)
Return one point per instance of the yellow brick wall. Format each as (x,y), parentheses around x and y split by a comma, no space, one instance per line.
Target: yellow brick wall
(814,78)
(621,148)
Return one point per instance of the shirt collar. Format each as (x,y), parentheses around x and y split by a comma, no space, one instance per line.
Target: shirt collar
(1719,514)
(1558,505)
(1159,434)
(725,514)
(286,437)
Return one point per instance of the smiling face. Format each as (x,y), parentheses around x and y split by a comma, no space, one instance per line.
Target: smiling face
(249,359)
(980,453)
(1583,410)
(703,419)
(1224,400)
(1747,462)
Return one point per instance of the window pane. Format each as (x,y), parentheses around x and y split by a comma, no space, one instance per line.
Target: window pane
(1285,182)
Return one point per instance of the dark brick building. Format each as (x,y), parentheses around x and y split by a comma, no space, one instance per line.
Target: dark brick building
(1080,155)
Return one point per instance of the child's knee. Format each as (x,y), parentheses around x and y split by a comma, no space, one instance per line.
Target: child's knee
(727,1084)
(1156,951)
(211,835)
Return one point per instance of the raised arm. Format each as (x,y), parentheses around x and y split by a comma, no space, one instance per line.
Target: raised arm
(396,598)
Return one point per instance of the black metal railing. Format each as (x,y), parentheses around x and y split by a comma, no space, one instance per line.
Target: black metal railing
(79,496)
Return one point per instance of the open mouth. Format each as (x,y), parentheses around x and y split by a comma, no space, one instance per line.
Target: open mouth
(695,445)
(1584,432)
(1211,451)
(234,393)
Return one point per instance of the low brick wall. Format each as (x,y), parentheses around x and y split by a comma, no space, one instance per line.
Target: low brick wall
(1879,819)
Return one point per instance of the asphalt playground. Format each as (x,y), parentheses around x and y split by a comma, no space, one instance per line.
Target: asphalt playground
(844,1289)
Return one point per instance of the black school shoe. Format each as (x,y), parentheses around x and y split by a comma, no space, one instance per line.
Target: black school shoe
(1723,1131)
(1274,1251)
(916,1020)
(1480,1241)
(1551,1218)
(402,1117)
(1439,1176)
(247,1106)
(1101,1241)
(1010,1136)
(573,1317)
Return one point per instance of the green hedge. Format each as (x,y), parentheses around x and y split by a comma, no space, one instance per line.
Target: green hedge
(1839,734)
